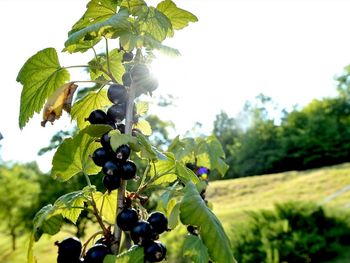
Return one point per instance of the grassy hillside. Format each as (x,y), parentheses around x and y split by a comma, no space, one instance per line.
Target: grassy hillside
(230,198)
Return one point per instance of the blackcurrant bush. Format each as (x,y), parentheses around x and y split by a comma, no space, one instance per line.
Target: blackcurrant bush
(96,254)
(69,249)
(117,93)
(127,56)
(154,251)
(158,221)
(141,232)
(117,112)
(127,219)
(100,156)
(98,117)
(126,79)
(128,170)
(123,152)
(112,168)
(106,141)
(111,182)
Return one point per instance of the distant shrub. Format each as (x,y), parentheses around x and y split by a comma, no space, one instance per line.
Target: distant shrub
(293,233)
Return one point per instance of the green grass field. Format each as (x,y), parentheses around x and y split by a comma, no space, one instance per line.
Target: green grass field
(230,199)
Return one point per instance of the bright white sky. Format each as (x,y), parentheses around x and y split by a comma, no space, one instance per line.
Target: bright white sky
(289,50)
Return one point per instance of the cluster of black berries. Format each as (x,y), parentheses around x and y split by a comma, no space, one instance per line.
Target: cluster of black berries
(69,251)
(145,233)
(115,164)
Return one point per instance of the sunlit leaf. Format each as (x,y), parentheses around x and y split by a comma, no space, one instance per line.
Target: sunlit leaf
(72,156)
(144,127)
(106,205)
(156,24)
(40,76)
(142,108)
(82,108)
(118,139)
(186,175)
(178,17)
(193,211)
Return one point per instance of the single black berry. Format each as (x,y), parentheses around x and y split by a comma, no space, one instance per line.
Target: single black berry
(192,230)
(158,221)
(127,56)
(127,219)
(100,156)
(191,166)
(111,182)
(121,127)
(117,93)
(141,232)
(69,249)
(96,254)
(117,112)
(112,168)
(123,152)
(126,79)
(154,251)
(128,170)
(150,84)
(98,117)
(106,141)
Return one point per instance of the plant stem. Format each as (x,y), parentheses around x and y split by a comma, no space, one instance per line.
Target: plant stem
(121,191)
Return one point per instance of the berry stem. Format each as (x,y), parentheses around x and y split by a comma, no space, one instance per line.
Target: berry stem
(121,191)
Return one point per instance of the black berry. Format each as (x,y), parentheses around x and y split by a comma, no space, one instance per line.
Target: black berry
(69,250)
(117,112)
(158,221)
(121,127)
(96,254)
(127,219)
(141,232)
(128,170)
(127,56)
(100,156)
(117,93)
(98,117)
(106,141)
(111,182)
(126,79)
(111,168)
(123,152)
(154,251)
(139,71)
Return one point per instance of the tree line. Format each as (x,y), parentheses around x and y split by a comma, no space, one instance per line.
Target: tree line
(261,140)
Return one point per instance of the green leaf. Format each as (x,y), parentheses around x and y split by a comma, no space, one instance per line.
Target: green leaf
(173,211)
(193,211)
(72,156)
(210,154)
(194,249)
(164,166)
(97,11)
(178,17)
(165,179)
(134,254)
(46,221)
(142,108)
(135,7)
(40,76)
(116,24)
(30,252)
(156,24)
(144,127)
(106,204)
(147,150)
(186,175)
(118,139)
(115,65)
(82,108)
(68,205)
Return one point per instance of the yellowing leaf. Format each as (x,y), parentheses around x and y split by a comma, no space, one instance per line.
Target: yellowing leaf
(60,100)
(142,108)
(144,127)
